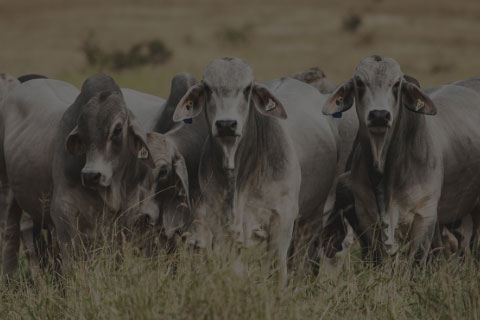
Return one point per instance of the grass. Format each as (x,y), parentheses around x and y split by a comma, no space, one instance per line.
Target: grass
(125,285)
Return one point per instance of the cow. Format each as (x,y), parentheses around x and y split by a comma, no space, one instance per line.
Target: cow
(315,77)
(270,157)
(68,157)
(411,168)
(176,150)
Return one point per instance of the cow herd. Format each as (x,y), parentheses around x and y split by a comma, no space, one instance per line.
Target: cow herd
(229,161)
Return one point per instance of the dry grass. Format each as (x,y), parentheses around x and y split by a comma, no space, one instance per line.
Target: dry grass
(435,41)
(187,286)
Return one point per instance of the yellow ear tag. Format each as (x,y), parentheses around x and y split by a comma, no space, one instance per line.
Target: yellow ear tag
(189,105)
(420,104)
(270,105)
(143,153)
(339,101)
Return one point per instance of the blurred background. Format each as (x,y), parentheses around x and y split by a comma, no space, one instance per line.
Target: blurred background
(143,43)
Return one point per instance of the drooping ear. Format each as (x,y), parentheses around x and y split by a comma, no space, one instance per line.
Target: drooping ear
(191,104)
(137,143)
(341,99)
(411,79)
(266,103)
(73,143)
(180,169)
(415,100)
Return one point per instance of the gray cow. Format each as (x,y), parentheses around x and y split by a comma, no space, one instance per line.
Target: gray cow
(176,150)
(66,162)
(315,77)
(410,169)
(270,158)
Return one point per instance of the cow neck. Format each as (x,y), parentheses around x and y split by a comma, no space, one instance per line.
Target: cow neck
(258,153)
(406,156)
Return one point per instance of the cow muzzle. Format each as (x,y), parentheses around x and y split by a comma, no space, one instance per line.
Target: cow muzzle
(92,179)
(226,128)
(379,121)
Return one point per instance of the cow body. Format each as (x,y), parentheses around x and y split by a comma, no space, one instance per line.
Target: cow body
(48,161)
(269,159)
(409,169)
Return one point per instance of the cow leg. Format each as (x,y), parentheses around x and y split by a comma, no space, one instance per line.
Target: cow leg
(422,232)
(280,237)
(29,237)
(11,238)
(65,233)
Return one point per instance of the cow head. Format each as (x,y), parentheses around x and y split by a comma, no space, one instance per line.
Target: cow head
(381,93)
(226,94)
(168,201)
(111,141)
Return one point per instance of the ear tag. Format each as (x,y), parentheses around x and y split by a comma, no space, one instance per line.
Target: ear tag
(337,115)
(188,121)
(339,101)
(143,153)
(189,105)
(420,104)
(270,105)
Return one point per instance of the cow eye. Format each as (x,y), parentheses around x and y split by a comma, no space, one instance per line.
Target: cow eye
(247,90)
(117,131)
(360,85)
(395,89)
(163,171)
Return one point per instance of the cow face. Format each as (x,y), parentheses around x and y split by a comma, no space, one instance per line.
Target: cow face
(226,93)
(110,140)
(380,90)
(168,201)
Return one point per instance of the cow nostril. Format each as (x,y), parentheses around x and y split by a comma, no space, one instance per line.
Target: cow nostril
(226,127)
(91,178)
(379,117)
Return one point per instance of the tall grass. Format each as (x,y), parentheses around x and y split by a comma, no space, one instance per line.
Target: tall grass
(186,285)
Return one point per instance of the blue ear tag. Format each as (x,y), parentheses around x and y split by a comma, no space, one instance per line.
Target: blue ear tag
(337,115)
(188,121)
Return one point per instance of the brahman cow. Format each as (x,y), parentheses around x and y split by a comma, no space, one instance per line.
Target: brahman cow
(176,150)
(270,157)
(68,162)
(410,168)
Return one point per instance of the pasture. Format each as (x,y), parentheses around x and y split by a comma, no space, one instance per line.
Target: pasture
(434,41)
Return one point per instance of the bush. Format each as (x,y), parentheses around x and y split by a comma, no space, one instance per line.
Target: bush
(139,54)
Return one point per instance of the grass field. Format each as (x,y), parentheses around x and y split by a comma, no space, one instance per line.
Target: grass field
(434,41)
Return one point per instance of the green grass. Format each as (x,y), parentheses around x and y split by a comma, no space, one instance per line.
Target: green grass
(125,285)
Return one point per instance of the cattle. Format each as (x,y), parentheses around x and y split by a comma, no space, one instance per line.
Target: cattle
(411,167)
(68,157)
(270,157)
(315,77)
(176,150)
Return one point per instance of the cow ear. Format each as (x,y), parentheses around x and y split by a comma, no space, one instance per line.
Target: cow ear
(73,143)
(180,169)
(137,143)
(341,99)
(266,103)
(415,100)
(191,104)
